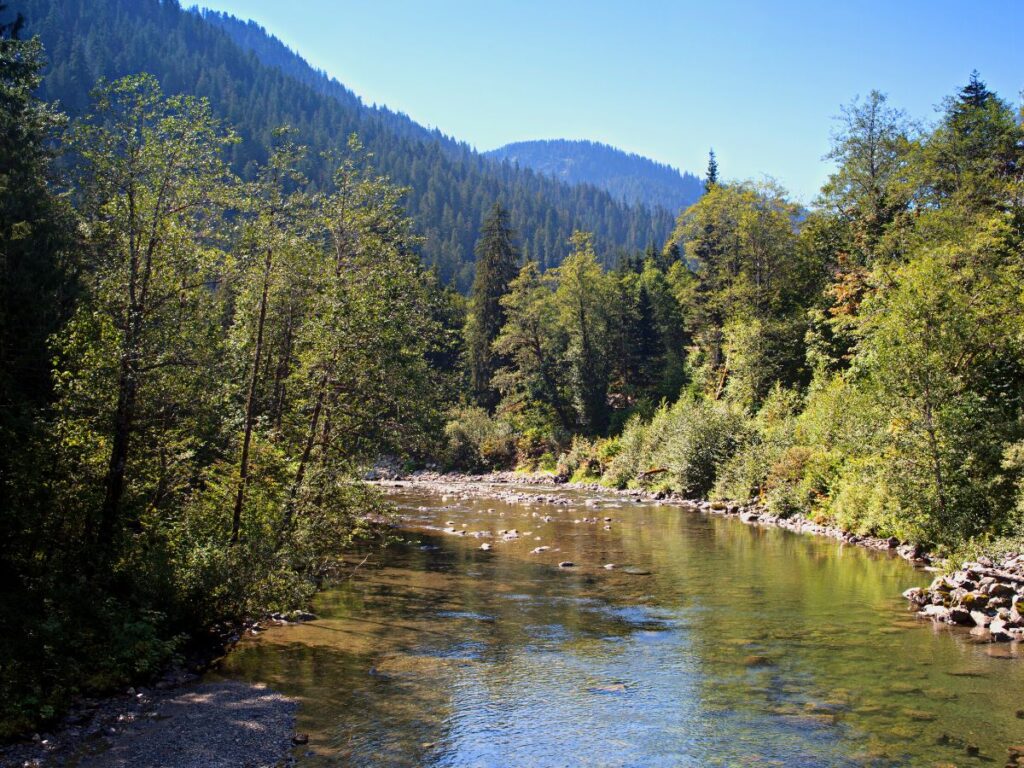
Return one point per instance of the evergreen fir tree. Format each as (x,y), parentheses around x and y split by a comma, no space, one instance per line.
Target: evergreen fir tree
(711,179)
(496,266)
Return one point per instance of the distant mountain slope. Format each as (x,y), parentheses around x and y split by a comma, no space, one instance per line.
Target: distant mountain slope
(256,84)
(629,177)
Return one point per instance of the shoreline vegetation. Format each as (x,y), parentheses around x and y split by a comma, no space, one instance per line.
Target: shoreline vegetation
(197,356)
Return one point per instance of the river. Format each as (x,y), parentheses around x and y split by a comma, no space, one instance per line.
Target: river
(710,643)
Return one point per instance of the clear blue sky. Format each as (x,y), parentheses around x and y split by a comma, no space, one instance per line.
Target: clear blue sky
(760,81)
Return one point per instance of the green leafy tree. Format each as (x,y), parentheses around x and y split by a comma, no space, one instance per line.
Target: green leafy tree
(583,299)
(534,344)
(711,176)
(151,181)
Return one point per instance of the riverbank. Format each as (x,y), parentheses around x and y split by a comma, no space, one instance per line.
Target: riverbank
(189,724)
(751,514)
(985,597)
(177,721)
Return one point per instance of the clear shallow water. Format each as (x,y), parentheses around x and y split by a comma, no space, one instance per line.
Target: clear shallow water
(730,645)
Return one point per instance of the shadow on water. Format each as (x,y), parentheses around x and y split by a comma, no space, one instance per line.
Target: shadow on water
(722,644)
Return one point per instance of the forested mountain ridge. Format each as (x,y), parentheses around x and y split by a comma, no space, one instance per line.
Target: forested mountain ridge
(255,86)
(626,176)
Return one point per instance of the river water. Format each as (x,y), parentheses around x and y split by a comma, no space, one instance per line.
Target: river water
(711,643)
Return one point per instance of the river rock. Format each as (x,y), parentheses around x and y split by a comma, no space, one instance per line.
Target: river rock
(981,619)
(998,629)
(961,616)
(567,564)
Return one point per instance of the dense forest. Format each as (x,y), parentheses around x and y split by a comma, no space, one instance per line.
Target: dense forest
(625,176)
(214,315)
(257,84)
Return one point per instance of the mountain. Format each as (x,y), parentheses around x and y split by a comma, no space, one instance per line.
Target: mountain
(256,84)
(629,177)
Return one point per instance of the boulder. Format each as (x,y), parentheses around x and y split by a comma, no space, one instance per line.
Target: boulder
(998,630)
(961,616)
(974,601)
(999,589)
(935,612)
(981,619)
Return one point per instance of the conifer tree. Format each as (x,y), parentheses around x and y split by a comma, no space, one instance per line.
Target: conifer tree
(496,267)
(711,178)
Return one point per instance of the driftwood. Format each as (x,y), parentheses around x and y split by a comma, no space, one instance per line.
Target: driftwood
(997,574)
(651,473)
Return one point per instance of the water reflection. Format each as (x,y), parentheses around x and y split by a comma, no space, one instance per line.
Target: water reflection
(710,644)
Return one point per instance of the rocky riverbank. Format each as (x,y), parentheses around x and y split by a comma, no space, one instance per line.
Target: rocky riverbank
(751,514)
(985,596)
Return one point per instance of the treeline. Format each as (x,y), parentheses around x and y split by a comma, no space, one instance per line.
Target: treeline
(255,84)
(192,366)
(861,362)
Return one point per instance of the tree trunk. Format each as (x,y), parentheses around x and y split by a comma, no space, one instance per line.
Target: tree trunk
(114,481)
(307,452)
(250,406)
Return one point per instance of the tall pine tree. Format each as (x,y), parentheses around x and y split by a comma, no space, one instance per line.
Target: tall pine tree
(496,266)
(712,175)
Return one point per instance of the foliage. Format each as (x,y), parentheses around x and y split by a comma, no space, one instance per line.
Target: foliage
(235,349)
(475,440)
(497,263)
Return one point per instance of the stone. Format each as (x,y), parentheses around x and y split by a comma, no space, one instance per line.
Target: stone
(917,595)
(567,564)
(998,630)
(974,600)
(485,546)
(300,738)
(961,616)
(999,589)
(981,619)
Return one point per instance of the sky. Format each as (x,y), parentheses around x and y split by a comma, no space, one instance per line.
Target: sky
(760,82)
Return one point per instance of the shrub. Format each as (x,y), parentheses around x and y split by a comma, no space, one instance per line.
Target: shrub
(477,441)
(745,476)
(687,442)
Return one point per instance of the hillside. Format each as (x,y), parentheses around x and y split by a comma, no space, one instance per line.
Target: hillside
(636,180)
(256,84)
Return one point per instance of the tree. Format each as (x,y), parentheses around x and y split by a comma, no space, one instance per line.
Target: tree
(271,251)
(37,280)
(583,300)
(974,160)
(497,261)
(869,192)
(533,344)
(151,182)
(711,177)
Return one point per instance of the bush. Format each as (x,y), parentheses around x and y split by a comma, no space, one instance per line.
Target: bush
(688,442)
(746,475)
(476,441)
(587,460)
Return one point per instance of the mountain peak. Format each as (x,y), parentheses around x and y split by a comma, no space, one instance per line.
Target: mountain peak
(627,176)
